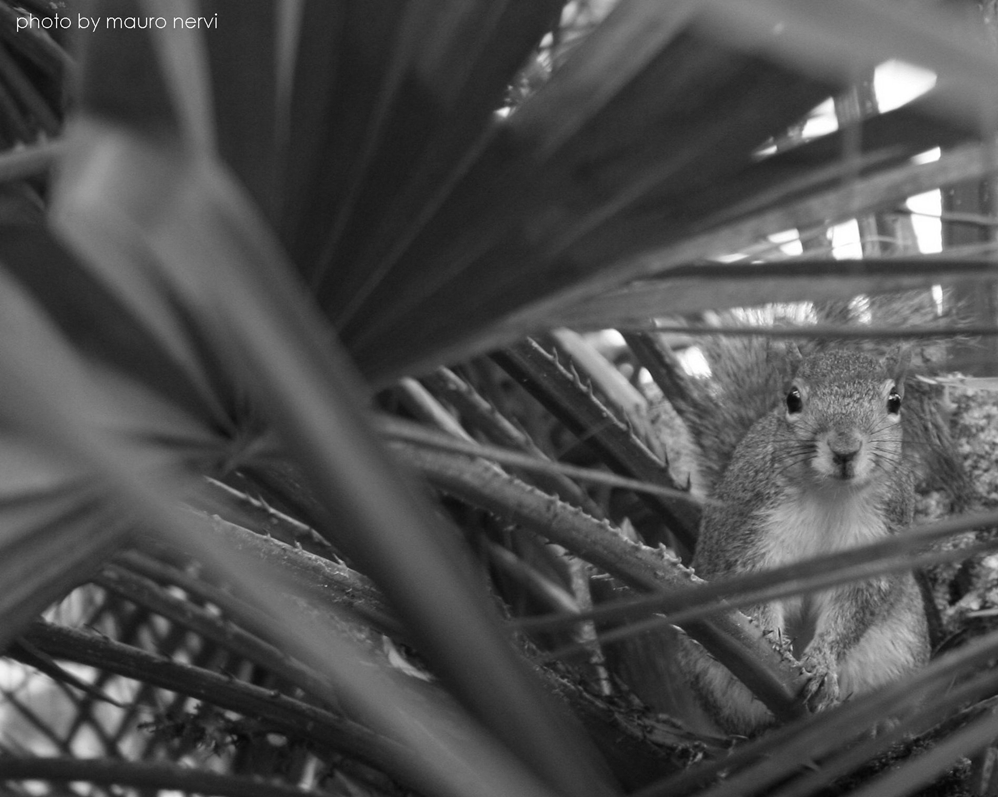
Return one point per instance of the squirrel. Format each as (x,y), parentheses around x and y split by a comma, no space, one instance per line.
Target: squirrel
(822,472)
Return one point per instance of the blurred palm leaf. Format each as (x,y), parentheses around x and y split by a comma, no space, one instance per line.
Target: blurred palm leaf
(225,196)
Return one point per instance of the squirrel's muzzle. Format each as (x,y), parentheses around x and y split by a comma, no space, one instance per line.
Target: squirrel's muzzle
(843,456)
(845,462)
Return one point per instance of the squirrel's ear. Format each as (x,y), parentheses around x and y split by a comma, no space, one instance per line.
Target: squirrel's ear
(783,360)
(787,355)
(896,362)
(794,356)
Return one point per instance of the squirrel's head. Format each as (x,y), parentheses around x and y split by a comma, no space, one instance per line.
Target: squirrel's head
(842,417)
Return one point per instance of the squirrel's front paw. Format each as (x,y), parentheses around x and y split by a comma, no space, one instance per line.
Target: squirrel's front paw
(822,690)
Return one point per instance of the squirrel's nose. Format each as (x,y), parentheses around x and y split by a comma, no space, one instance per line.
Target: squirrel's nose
(845,446)
(844,457)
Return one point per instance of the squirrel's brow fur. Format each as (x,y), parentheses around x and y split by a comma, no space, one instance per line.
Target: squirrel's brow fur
(840,365)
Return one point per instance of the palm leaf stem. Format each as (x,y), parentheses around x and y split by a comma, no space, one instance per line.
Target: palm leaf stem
(689,288)
(818,736)
(145,775)
(832,331)
(398,429)
(730,637)
(35,45)
(26,93)
(940,707)
(897,553)
(287,714)
(183,613)
(663,366)
(574,404)
(478,414)
(929,765)
(329,584)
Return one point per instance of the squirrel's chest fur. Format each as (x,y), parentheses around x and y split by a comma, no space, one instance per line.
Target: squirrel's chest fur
(805,523)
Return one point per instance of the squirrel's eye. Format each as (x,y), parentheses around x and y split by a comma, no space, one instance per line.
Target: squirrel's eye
(894,402)
(794,402)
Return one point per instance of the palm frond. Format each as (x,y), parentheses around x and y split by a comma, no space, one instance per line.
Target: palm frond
(263,232)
